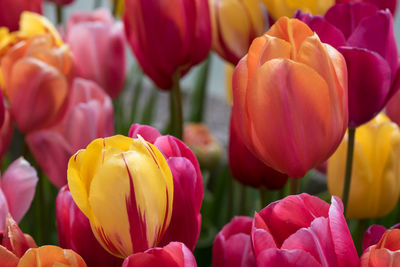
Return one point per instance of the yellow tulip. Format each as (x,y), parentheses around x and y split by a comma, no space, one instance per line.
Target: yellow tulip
(229,68)
(375,182)
(280,8)
(125,188)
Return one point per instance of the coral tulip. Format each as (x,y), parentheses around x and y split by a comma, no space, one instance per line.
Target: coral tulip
(175,254)
(183,27)
(11,10)
(385,253)
(303,230)
(247,168)
(375,183)
(381,4)
(49,256)
(290,122)
(74,233)
(125,188)
(17,188)
(90,110)
(232,245)
(365,37)
(234,26)
(98,45)
(280,8)
(188,185)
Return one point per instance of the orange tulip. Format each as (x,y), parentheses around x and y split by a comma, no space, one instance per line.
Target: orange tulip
(290,98)
(51,256)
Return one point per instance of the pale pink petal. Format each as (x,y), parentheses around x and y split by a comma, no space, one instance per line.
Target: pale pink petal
(3,210)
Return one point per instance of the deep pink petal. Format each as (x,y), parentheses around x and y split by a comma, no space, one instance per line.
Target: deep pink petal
(149,133)
(372,235)
(261,237)
(279,258)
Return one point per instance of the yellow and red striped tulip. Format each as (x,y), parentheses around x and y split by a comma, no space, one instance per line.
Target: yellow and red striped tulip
(290,98)
(280,8)
(125,188)
(234,26)
(375,178)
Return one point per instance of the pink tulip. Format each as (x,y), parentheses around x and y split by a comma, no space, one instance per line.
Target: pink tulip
(89,115)
(17,188)
(381,4)
(6,133)
(393,108)
(10,11)
(188,185)
(303,230)
(74,233)
(175,254)
(98,45)
(232,246)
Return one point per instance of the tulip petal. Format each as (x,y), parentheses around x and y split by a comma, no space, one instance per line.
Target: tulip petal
(7,258)
(148,133)
(372,235)
(293,258)
(4,210)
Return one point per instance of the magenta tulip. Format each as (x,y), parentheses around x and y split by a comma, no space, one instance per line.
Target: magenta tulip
(188,186)
(247,168)
(374,233)
(175,254)
(365,37)
(17,188)
(98,45)
(89,116)
(61,2)
(381,4)
(168,37)
(232,245)
(303,230)
(393,108)
(74,232)
(10,11)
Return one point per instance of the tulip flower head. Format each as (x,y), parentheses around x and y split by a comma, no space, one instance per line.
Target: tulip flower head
(375,183)
(381,4)
(125,188)
(290,98)
(11,10)
(280,8)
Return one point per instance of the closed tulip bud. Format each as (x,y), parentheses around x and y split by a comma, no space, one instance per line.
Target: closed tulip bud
(232,246)
(184,28)
(247,168)
(188,185)
(375,178)
(385,253)
(125,188)
(74,233)
(98,45)
(291,123)
(370,50)
(280,8)
(90,110)
(303,230)
(174,254)
(381,4)
(11,10)
(234,26)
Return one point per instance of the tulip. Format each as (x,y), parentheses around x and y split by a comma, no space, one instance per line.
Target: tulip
(6,133)
(234,26)
(381,4)
(385,253)
(47,256)
(39,104)
(125,188)
(204,146)
(188,185)
(303,230)
(370,50)
(90,110)
(281,116)
(247,168)
(280,8)
(175,254)
(2,110)
(184,28)
(74,233)
(229,68)
(17,188)
(98,45)
(61,2)
(393,108)
(232,245)
(375,183)
(374,233)
(10,11)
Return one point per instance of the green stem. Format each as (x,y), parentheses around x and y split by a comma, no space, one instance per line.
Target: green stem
(115,7)
(349,167)
(200,92)
(176,116)
(264,197)
(294,186)
(59,14)
(243,200)
(230,199)
(362,225)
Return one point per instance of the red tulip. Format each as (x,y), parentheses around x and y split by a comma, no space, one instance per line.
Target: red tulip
(10,11)
(381,4)
(168,37)
(303,230)
(188,185)
(232,245)
(74,232)
(89,115)
(98,45)
(247,168)
(385,253)
(175,254)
